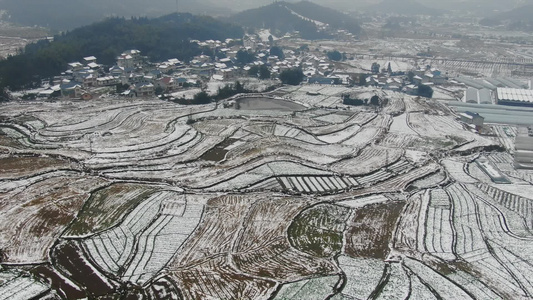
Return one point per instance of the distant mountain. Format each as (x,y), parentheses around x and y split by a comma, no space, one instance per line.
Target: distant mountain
(68,14)
(515,19)
(403,7)
(523,13)
(305,17)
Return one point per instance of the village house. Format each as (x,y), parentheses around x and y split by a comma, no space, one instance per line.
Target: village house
(168,84)
(75,66)
(107,81)
(71,89)
(324,80)
(144,89)
(474,120)
(90,62)
(249,42)
(130,59)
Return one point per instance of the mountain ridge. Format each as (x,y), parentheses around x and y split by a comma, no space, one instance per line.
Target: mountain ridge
(76,13)
(306,17)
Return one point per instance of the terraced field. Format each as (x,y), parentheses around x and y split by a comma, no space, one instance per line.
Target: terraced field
(122,199)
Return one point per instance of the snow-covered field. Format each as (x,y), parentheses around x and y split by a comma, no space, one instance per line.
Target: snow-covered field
(209,202)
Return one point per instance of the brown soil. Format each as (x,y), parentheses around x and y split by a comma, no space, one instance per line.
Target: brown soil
(8,142)
(22,166)
(371,228)
(68,257)
(58,283)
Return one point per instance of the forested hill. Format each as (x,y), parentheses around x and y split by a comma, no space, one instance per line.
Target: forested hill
(160,39)
(304,16)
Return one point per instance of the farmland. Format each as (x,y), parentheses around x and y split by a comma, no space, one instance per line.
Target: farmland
(300,197)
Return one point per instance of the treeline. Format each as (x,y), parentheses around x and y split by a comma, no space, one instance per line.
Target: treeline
(229,90)
(159,39)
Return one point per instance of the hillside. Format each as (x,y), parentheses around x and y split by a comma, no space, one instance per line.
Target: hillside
(159,39)
(76,13)
(402,7)
(515,19)
(522,13)
(306,17)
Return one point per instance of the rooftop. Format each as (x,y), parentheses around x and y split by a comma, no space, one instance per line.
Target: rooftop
(515,95)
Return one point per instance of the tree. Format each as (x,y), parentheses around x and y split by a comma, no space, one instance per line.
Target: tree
(4,96)
(220,54)
(254,71)
(259,71)
(292,76)
(389,69)
(362,79)
(347,100)
(202,98)
(411,76)
(239,87)
(277,51)
(121,88)
(264,72)
(245,57)
(334,55)
(425,91)
(271,40)
(374,101)
(375,68)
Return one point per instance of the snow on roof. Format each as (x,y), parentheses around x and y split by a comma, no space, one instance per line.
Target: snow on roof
(144,84)
(89,58)
(515,95)
(105,78)
(167,80)
(46,92)
(466,116)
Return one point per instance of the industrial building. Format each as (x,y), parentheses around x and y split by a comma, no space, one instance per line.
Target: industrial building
(492,83)
(514,97)
(523,155)
(481,96)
